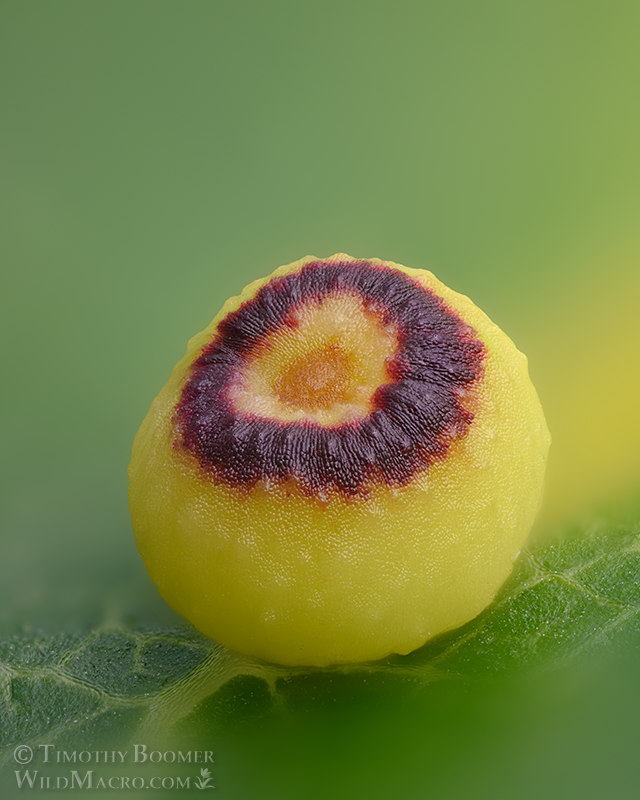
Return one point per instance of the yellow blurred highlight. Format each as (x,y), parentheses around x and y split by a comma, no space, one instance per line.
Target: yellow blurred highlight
(588,374)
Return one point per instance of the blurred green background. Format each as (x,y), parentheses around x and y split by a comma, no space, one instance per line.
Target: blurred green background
(157,156)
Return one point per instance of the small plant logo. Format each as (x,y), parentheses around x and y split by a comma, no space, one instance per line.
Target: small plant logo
(205,781)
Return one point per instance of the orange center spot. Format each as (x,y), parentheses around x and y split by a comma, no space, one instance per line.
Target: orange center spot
(316,380)
(325,368)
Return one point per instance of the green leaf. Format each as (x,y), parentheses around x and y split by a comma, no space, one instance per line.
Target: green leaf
(567,597)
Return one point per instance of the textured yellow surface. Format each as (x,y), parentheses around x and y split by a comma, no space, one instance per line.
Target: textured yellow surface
(301,580)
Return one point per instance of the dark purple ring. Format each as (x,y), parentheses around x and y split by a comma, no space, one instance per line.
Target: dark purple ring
(414,419)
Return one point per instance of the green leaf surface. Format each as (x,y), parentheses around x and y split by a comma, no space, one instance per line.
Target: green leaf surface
(567,597)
